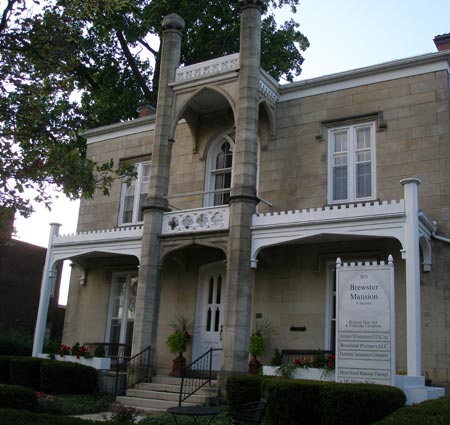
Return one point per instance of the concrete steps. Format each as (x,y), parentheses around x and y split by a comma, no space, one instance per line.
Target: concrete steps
(164,392)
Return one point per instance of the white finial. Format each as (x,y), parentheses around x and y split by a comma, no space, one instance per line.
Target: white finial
(391,260)
(338,262)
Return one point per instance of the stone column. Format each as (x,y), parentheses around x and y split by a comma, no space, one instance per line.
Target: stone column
(243,198)
(148,291)
(46,288)
(413,310)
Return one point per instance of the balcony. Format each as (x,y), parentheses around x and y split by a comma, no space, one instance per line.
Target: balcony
(197,220)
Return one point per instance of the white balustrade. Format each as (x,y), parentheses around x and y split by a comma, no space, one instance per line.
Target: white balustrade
(196,220)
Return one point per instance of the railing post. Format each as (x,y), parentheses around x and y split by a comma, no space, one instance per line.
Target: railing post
(210,365)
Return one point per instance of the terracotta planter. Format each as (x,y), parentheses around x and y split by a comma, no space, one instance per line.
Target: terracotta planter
(178,366)
(254,366)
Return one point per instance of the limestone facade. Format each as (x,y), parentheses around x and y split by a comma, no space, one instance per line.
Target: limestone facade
(285,158)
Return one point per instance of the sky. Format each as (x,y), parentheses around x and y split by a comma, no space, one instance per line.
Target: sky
(343,35)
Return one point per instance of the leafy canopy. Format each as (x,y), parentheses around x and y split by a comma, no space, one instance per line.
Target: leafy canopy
(68,65)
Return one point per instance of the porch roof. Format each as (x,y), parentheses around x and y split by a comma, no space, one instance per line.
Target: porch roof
(371,219)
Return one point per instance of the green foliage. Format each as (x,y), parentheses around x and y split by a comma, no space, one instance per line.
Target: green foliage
(303,402)
(68,378)
(292,402)
(5,369)
(70,65)
(99,351)
(285,370)
(14,342)
(277,359)
(17,397)
(167,419)
(432,412)
(18,417)
(358,404)
(242,389)
(257,345)
(76,404)
(176,342)
(26,371)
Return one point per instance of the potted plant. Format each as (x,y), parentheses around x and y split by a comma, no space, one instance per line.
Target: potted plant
(176,343)
(256,349)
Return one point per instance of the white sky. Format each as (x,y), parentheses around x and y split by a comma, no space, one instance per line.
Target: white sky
(344,35)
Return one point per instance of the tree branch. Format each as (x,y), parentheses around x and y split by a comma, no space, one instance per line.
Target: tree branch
(5,15)
(147,46)
(141,81)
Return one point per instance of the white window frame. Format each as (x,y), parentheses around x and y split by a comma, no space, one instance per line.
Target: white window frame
(112,294)
(138,189)
(210,178)
(351,162)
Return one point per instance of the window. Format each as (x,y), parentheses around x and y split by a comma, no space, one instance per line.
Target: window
(351,163)
(219,166)
(133,194)
(121,309)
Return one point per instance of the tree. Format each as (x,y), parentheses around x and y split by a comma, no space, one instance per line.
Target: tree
(68,65)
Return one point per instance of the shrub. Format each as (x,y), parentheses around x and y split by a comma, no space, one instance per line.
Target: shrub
(15,343)
(17,397)
(432,412)
(292,402)
(25,371)
(68,378)
(242,389)
(358,404)
(17,417)
(5,369)
(74,404)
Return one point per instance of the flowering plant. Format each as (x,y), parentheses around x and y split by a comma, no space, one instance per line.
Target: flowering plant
(303,363)
(63,350)
(323,361)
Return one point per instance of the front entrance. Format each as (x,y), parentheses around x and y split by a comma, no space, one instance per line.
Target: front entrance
(209,310)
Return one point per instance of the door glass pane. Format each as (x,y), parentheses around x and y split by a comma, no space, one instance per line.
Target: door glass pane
(219,289)
(216,320)
(211,290)
(208,320)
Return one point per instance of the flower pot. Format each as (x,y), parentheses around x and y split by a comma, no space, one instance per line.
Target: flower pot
(254,366)
(178,366)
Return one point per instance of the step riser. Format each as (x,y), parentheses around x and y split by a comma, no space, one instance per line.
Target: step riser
(167,396)
(149,404)
(162,393)
(207,391)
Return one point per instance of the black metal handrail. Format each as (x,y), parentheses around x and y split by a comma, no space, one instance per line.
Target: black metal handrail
(137,369)
(113,350)
(196,375)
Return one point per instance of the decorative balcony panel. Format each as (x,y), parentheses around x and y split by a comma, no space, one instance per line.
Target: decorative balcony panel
(196,220)
(208,68)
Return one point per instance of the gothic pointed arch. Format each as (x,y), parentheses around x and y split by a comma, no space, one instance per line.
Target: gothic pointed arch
(198,106)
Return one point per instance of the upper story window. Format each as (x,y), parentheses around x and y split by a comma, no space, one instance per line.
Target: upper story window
(219,167)
(351,163)
(133,194)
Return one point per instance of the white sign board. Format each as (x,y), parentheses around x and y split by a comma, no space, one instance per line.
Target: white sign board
(365,329)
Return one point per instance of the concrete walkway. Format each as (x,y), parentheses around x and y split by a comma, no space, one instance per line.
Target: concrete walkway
(105,416)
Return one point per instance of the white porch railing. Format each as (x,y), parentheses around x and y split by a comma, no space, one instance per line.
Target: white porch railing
(196,220)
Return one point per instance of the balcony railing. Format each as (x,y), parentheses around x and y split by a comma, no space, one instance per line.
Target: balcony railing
(196,220)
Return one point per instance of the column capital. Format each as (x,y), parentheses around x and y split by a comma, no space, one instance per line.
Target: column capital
(173,22)
(260,4)
(410,180)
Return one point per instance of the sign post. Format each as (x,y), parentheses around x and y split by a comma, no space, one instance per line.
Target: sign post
(365,331)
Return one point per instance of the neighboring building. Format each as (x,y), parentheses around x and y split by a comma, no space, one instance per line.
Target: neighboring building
(246,193)
(21,266)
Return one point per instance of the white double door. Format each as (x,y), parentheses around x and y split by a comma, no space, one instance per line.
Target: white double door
(209,311)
